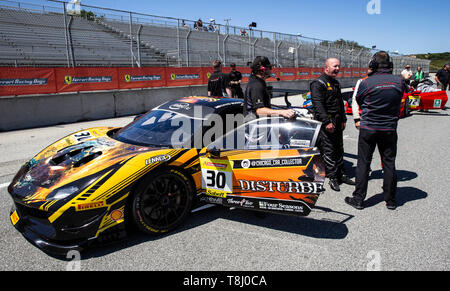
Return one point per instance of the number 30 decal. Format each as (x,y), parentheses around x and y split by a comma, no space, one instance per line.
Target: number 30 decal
(217,177)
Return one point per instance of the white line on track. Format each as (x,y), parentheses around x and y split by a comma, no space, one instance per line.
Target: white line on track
(4,185)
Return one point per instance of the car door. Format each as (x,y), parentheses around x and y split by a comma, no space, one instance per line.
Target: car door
(269,164)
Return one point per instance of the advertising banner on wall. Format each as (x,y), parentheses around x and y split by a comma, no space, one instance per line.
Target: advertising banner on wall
(86,79)
(184,76)
(130,78)
(25,81)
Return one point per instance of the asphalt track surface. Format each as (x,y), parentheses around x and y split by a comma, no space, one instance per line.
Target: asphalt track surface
(333,237)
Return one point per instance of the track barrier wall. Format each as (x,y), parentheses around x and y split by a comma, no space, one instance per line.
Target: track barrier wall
(29,81)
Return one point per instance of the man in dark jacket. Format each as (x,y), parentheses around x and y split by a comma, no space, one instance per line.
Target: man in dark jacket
(328,108)
(443,77)
(218,83)
(379,96)
(235,81)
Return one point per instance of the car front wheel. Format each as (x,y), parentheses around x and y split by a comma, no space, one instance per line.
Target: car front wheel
(162,201)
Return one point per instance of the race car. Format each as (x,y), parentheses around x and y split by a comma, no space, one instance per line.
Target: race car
(414,100)
(93,184)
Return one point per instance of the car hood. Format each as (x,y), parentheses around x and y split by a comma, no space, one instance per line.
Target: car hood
(84,155)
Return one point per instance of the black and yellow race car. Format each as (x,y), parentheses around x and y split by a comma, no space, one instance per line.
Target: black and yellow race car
(153,172)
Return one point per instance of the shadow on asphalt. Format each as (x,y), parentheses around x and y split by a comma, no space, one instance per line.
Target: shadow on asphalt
(404,195)
(316,228)
(402,175)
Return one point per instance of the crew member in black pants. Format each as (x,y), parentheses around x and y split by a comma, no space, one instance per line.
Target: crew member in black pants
(379,96)
(328,108)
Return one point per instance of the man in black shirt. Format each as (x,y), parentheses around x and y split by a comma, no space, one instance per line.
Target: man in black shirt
(257,98)
(218,83)
(328,108)
(443,77)
(235,82)
(379,96)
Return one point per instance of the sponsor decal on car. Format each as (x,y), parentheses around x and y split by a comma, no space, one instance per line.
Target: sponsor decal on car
(88,206)
(116,215)
(268,163)
(281,187)
(157,159)
(280,206)
(217,177)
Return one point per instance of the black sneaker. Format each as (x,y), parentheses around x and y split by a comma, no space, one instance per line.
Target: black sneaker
(391,205)
(352,202)
(334,185)
(346,180)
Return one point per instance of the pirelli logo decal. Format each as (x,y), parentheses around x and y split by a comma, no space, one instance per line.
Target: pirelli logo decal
(88,206)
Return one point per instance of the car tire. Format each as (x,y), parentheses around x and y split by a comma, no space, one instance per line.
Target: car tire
(161,201)
(406,111)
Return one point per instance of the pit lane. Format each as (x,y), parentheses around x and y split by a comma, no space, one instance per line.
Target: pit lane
(334,236)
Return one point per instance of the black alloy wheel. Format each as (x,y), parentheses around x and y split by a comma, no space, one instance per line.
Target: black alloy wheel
(162,201)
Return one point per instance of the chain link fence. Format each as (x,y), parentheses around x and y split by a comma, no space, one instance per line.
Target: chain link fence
(64,34)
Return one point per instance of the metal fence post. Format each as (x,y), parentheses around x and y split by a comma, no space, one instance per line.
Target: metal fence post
(178,43)
(131,40)
(225,48)
(139,45)
(65,34)
(187,47)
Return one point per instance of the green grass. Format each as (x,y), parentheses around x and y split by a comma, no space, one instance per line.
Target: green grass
(437,59)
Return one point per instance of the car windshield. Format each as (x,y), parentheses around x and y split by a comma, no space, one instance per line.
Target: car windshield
(171,125)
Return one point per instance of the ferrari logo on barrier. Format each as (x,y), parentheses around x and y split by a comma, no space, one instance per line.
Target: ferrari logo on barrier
(127,78)
(172,77)
(68,80)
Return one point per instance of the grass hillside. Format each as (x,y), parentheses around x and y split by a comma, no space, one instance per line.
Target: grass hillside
(437,59)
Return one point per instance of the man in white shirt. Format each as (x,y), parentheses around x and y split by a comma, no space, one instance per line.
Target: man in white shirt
(407,74)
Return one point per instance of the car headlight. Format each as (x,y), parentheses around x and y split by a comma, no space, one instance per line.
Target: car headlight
(63,192)
(73,188)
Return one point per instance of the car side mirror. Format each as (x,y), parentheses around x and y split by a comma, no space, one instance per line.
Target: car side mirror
(215,153)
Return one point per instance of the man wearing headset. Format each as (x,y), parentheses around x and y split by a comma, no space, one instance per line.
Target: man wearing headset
(328,108)
(379,96)
(257,98)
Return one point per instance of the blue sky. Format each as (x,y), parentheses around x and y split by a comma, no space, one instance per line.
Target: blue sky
(407,26)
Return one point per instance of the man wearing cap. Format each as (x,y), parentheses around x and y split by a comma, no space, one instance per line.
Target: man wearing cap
(407,74)
(257,98)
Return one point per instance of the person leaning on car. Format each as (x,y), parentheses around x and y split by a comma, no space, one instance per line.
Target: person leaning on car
(328,108)
(443,77)
(257,98)
(379,96)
